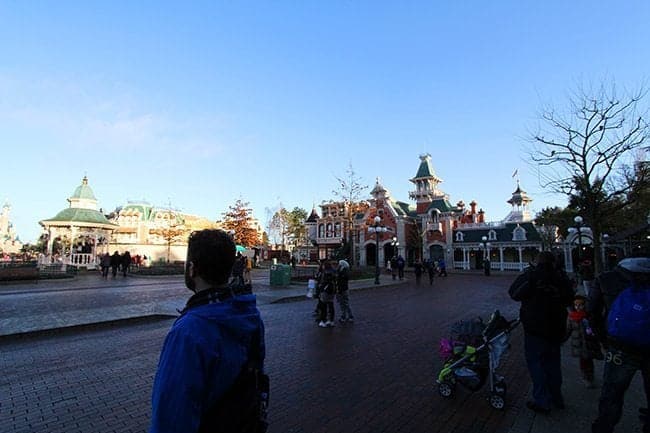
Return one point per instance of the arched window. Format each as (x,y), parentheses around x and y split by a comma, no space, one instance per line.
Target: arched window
(328,231)
(321,230)
(519,234)
(337,230)
(460,237)
(492,235)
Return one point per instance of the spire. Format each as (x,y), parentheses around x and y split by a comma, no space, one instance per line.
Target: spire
(519,202)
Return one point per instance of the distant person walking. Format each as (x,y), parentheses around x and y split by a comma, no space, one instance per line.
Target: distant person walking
(400,267)
(545,293)
(342,285)
(105,264)
(431,270)
(418,270)
(327,290)
(116,260)
(126,263)
(442,268)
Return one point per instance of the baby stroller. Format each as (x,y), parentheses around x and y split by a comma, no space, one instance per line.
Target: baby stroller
(472,356)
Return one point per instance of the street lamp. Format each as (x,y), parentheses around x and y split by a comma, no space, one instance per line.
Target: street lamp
(578,220)
(378,229)
(603,246)
(395,246)
(485,245)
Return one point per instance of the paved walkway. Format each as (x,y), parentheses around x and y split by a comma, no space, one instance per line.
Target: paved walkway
(24,309)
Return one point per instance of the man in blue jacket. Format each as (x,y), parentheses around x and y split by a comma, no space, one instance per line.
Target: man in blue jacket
(209,344)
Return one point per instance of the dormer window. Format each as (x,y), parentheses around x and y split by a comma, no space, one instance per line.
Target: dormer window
(460,237)
(519,234)
(492,235)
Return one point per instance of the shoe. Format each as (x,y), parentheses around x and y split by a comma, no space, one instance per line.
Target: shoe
(322,324)
(350,319)
(537,408)
(343,320)
(329,323)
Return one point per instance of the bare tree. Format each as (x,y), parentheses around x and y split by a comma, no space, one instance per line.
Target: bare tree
(586,151)
(350,190)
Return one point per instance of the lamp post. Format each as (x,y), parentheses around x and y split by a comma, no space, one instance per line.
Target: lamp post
(578,220)
(395,246)
(378,229)
(603,246)
(485,245)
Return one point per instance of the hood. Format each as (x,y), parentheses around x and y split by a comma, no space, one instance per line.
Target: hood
(238,315)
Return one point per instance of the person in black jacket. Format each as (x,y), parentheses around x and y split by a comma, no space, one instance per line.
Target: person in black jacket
(545,292)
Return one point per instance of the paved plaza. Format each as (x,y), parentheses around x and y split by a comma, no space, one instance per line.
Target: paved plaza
(376,375)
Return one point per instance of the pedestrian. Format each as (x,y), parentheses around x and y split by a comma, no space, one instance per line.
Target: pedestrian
(238,270)
(126,262)
(486,267)
(393,267)
(327,290)
(116,260)
(418,269)
(619,304)
(319,304)
(442,268)
(545,293)
(400,267)
(431,270)
(586,271)
(216,340)
(105,263)
(248,266)
(584,343)
(342,285)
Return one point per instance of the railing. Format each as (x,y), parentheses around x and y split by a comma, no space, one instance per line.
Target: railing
(82,259)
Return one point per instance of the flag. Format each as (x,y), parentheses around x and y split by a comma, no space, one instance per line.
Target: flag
(515,173)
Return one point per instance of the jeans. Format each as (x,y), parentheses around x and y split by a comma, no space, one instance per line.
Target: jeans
(543,360)
(344,304)
(620,368)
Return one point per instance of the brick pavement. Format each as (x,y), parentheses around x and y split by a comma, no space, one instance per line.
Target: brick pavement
(375,375)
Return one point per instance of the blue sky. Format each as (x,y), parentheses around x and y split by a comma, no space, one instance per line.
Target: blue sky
(202,103)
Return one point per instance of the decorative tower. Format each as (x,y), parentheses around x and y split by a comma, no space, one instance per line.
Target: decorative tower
(426,185)
(519,201)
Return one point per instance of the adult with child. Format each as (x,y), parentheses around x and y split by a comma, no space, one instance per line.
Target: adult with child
(342,285)
(619,303)
(211,348)
(545,293)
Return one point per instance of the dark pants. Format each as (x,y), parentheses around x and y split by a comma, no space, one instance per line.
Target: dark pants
(620,368)
(114,270)
(327,312)
(431,275)
(543,360)
(400,272)
(105,271)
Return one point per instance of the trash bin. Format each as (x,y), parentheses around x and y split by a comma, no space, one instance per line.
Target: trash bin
(280,275)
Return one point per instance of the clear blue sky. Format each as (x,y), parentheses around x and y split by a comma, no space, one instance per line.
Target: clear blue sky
(202,103)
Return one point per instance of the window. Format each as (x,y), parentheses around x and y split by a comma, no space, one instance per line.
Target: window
(328,231)
(460,237)
(492,235)
(337,229)
(321,230)
(519,234)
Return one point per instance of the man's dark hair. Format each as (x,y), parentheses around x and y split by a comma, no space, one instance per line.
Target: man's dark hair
(213,254)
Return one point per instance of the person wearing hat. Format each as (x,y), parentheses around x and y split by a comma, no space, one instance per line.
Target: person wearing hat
(342,279)
(623,358)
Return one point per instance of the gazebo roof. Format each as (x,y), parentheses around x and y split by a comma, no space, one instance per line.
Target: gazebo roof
(76,215)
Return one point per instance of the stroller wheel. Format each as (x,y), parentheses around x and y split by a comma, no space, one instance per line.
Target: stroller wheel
(445,389)
(497,401)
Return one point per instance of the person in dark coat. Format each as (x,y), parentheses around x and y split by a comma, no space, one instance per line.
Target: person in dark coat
(116,260)
(126,262)
(545,293)
(105,263)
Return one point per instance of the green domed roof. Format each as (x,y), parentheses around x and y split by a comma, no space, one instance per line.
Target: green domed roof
(80,216)
(83,191)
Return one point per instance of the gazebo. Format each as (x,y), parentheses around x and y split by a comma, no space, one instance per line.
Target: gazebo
(82,230)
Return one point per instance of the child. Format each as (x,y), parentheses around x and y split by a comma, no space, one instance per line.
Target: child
(584,344)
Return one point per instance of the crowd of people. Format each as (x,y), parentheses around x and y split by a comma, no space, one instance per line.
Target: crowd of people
(121,263)
(610,322)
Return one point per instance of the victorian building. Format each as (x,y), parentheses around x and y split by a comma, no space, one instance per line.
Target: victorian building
(431,228)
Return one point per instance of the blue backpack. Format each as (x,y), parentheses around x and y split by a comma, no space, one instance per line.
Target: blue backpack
(628,320)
